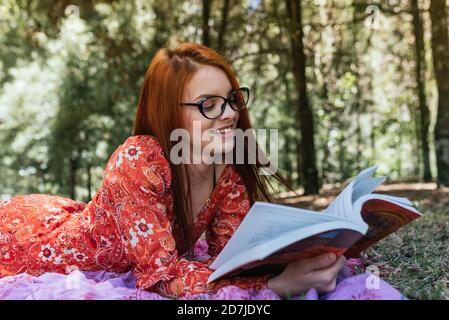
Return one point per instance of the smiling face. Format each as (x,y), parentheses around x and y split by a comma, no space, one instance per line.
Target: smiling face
(210,80)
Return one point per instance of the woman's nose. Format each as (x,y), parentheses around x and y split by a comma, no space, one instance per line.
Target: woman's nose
(228,113)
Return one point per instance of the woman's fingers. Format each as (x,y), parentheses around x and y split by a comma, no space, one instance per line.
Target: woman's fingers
(319,272)
(319,262)
(329,274)
(328,287)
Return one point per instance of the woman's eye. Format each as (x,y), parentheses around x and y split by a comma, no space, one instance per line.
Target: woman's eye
(210,103)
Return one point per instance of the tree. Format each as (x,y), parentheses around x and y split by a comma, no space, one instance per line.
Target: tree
(308,169)
(440,50)
(424,112)
(223,25)
(331,84)
(207,4)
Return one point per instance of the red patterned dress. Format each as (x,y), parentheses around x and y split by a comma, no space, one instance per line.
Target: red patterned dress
(127,225)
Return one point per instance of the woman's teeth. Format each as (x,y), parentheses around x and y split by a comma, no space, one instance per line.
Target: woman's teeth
(223,131)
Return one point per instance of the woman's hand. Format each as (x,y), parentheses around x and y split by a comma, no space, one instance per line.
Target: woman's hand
(320,273)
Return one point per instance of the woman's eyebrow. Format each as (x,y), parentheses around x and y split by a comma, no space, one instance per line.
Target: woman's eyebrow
(206,95)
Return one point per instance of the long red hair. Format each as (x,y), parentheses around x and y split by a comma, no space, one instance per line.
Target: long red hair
(159,113)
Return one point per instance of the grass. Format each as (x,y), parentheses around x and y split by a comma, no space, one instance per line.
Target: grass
(415,260)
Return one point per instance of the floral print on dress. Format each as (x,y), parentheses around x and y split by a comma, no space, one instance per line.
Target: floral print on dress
(48,220)
(132,153)
(47,253)
(119,160)
(134,239)
(79,256)
(143,228)
(128,225)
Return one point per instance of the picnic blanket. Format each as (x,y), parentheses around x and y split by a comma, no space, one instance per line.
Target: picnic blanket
(79,285)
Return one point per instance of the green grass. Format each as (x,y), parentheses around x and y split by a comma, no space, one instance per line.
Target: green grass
(415,260)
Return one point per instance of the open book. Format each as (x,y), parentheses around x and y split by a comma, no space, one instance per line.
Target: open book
(273,235)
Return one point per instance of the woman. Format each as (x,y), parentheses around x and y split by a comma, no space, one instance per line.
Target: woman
(145,216)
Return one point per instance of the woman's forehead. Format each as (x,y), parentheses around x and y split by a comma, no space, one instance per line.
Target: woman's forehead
(208,80)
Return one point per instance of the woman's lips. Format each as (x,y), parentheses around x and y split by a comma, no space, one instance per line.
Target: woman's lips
(225,134)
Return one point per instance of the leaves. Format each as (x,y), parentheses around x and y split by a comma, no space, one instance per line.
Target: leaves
(70,85)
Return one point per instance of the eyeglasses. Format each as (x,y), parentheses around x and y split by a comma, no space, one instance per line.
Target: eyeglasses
(213,107)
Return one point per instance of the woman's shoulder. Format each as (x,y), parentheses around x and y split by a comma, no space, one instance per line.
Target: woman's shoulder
(145,148)
(142,156)
(143,142)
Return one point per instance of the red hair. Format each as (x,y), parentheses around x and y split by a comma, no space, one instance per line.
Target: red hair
(159,113)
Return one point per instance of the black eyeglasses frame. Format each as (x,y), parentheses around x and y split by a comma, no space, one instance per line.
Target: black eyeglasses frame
(227,100)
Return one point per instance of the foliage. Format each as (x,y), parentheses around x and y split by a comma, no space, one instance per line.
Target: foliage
(70,84)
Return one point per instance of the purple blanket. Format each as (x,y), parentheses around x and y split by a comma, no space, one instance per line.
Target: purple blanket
(111,286)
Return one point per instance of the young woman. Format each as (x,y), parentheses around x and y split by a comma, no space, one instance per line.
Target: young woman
(149,212)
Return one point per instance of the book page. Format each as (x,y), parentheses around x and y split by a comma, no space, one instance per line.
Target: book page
(360,185)
(274,225)
(342,203)
(366,186)
(266,221)
(334,236)
(336,241)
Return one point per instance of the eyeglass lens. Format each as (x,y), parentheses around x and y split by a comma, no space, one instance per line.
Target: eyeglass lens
(213,107)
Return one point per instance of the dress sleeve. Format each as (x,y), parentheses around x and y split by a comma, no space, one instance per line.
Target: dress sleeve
(139,176)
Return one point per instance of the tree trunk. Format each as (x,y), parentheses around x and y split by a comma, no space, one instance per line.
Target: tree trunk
(416,143)
(308,170)
(372,138)
(357,104)
(72,183)
(89,182)
(359,137)
(342,157)
(223,24)
(424,112)
(291,142)
(440,50)
(205,27)
(287,164)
